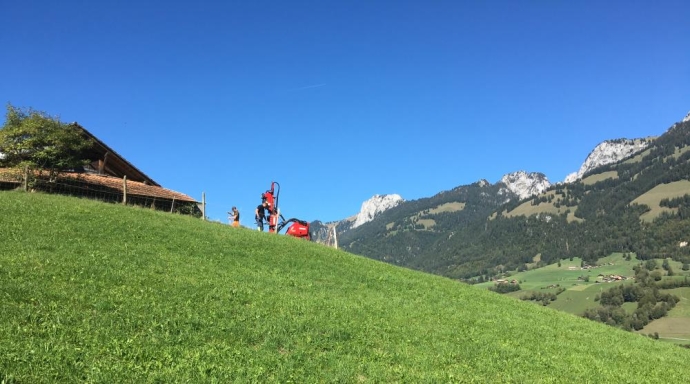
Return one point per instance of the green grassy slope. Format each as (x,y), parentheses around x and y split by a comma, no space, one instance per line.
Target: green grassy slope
(92,292)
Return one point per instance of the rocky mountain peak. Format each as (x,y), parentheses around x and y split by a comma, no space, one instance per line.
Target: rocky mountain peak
(375,206)
(526,184)
(610,151)
(687,118)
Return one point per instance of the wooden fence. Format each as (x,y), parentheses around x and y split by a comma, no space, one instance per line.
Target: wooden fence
(103,188)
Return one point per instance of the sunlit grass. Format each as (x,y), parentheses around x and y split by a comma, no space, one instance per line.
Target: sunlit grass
(528,209)
(448,207)
(95,292)
(676,326)
(662,191)
(593,179)
(669,329)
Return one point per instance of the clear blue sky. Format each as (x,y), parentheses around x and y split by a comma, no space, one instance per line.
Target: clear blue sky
(341,100)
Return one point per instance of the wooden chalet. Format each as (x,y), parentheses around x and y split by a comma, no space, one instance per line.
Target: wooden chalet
(109,177)
(105,161)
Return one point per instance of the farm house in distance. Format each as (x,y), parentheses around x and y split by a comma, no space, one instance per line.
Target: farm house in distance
(107,177)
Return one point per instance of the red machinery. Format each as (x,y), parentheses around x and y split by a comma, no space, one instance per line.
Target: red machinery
(299,228)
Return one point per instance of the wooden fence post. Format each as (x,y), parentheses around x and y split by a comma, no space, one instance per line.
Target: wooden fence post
(172,206)
(124,190)
(25,183)
(335,237)
(203,205)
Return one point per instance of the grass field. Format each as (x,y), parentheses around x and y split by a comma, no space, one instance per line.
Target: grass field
(448,207)
(579,295)
(652,197)
(528,209)
(569,273)
(589,180)
(676,326)
(102,293)
(637,158)
(429,223)
(680,151)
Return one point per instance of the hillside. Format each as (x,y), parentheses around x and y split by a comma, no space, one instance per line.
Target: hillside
(96,292)
(638,204)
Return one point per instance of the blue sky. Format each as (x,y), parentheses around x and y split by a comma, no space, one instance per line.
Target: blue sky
(341,100)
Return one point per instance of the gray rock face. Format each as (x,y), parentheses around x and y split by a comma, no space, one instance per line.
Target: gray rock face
(608,152)
(374,206)
(526,184)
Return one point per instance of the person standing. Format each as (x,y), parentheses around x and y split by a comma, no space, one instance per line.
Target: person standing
(260,215)
(235,217)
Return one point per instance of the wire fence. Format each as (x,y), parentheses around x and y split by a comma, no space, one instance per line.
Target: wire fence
(121,191)
(108,189)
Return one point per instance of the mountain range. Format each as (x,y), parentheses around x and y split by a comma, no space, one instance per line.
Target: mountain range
(522,220)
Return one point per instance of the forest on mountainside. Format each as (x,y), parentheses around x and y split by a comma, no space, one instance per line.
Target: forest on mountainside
(479,241)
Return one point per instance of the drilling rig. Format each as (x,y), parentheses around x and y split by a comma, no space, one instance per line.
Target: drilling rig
(276,222)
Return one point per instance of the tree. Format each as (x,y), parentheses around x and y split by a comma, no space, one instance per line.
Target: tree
(35,139)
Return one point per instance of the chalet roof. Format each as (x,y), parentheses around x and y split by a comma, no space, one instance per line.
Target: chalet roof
(133,187)
(112,168)
(116,165)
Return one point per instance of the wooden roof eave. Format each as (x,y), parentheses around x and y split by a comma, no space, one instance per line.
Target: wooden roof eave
(115,164)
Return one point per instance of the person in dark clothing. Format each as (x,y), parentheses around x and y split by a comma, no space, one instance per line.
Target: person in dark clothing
(260,215)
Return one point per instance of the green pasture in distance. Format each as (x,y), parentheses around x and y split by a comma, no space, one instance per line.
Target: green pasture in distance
(568,274)
(629,307)
(675,327)
(580,295)
(682,308)
(652,198)
(577,301)
(593,179)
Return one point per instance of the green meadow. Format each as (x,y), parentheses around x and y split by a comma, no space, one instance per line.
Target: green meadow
(101,293)
(675,327)
(580,293)
(653,197)
(570,274)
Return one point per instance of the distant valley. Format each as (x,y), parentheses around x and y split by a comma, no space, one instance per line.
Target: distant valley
(626,197)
